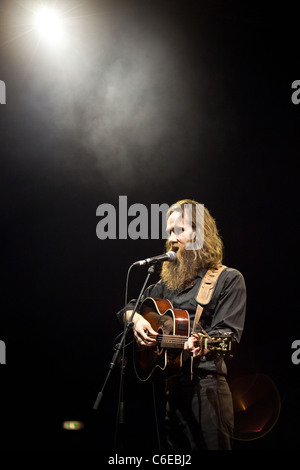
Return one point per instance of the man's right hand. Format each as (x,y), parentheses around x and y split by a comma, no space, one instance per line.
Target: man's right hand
(143,331)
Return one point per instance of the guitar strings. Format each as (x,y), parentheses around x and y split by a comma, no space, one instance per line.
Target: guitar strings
(180,340)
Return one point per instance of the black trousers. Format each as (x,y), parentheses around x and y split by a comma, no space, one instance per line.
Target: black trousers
(199,413)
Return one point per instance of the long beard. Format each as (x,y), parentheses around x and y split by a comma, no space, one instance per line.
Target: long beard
(180,273)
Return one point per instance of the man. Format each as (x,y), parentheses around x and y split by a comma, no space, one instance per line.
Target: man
(199,412)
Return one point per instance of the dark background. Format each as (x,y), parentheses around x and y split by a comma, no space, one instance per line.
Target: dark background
(156,101)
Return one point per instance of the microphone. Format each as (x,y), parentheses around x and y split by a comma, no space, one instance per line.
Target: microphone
(169,256)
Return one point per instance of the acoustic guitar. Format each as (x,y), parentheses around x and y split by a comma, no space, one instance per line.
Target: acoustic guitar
(167,356)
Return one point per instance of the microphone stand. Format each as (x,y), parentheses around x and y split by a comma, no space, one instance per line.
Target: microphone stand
(120,345)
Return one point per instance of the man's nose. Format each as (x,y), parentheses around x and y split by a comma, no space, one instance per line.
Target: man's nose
(172,238)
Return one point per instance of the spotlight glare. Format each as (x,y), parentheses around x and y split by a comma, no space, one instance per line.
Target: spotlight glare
(48,23)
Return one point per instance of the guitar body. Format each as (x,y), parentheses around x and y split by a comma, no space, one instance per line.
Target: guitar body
(173,328)
(170,323)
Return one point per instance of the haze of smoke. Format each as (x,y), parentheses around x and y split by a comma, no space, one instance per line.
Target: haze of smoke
(121,96)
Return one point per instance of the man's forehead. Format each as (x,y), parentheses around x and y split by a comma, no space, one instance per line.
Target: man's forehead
(178,218)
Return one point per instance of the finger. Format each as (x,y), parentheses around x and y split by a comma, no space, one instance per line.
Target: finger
(149,328)
(192,342)
(197,352)
(144,339)
(149,341)
(146,343)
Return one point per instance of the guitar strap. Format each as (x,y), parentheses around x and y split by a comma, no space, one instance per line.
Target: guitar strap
(206,290)
(204,295)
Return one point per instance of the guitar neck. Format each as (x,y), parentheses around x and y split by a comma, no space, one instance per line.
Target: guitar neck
(214,343)
(172,341)
(177,341)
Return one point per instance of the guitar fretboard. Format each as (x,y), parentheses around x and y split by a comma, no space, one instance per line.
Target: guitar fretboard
(177,342)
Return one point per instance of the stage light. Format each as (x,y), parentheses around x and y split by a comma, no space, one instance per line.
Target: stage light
(73,425)
(48,23)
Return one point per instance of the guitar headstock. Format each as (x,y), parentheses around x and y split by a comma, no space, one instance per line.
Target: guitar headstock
(221,344)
